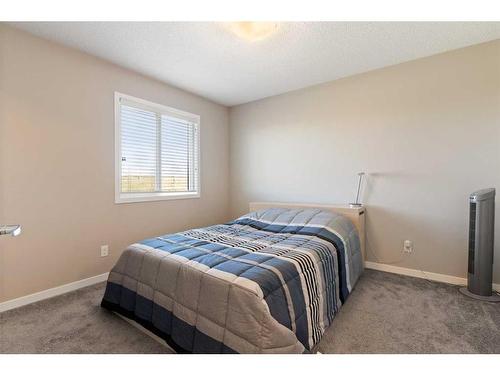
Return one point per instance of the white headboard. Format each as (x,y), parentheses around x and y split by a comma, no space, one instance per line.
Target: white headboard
(355,214)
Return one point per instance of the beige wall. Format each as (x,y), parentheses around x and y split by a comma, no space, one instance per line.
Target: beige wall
(57,164)
(427,132)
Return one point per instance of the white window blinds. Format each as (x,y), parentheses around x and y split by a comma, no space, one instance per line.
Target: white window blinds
(158,151)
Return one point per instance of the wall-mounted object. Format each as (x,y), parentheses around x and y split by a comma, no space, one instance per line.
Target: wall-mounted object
(13,230)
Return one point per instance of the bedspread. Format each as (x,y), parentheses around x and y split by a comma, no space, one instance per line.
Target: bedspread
(268,282)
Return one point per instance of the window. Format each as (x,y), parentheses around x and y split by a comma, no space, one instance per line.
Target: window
(157,151)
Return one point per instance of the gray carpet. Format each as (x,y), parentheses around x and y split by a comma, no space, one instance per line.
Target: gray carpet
(386,313)
(71,323)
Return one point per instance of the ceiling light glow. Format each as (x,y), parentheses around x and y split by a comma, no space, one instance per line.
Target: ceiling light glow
(252,31)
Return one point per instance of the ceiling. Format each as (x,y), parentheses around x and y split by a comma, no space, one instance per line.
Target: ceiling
(206,59)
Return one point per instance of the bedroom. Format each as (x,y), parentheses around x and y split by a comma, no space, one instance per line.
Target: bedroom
(187,186)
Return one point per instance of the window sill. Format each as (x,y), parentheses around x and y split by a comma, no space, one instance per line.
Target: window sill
(151,197)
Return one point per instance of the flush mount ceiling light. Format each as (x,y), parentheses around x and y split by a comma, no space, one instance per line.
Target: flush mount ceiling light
(252,31)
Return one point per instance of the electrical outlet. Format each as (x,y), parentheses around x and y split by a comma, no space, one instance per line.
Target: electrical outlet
(104,250)
(408,247)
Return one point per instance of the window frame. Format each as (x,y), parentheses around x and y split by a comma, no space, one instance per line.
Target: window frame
(164,110)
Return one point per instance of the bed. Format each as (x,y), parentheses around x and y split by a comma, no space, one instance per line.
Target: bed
(270,281)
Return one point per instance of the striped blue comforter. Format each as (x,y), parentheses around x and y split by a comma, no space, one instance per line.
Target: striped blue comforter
(276,279)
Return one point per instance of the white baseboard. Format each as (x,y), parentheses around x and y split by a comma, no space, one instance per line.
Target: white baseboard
(44,294)
(455,280)
(58,290)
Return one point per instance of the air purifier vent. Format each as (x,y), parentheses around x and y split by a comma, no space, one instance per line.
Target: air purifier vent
(472,236)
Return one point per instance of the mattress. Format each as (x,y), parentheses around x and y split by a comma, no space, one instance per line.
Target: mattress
(270,281)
